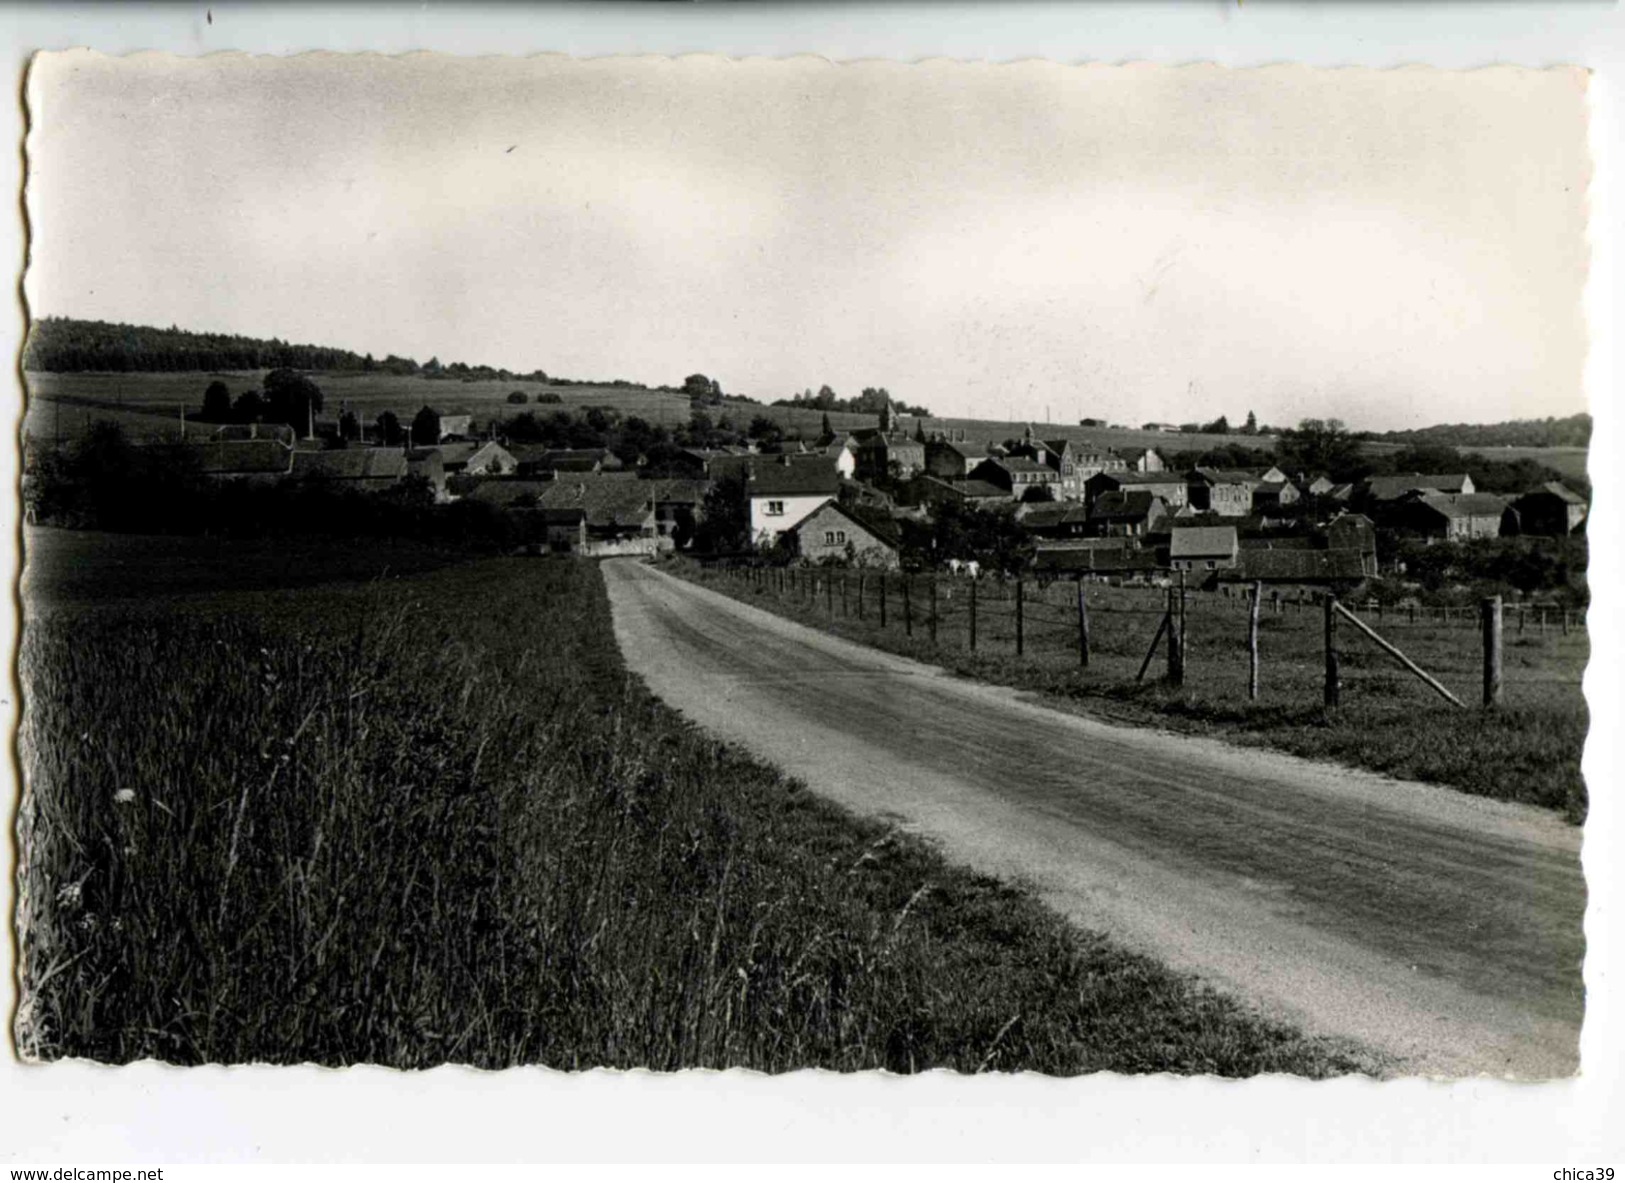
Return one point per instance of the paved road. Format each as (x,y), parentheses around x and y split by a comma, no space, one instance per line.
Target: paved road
(1439,929)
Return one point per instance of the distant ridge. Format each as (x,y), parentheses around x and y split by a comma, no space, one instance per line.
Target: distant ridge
(1571,432)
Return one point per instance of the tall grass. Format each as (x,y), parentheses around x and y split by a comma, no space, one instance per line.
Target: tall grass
(436,821)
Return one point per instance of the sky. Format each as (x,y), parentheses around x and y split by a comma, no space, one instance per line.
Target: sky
(1393,248)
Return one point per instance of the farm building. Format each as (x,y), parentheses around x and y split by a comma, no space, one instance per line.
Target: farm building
(260,461)
(781,491)
(1226,493)
(1203,548)
(1144,460)
(456,426)
(1321,486)
(1055,520)
(1169,486)
(280,432)
(1301,566)
(1103,557)
(1016,474)
(1127,513)
(1452,517)
(368,469)
(878,453)
(578,460)
(831,532)
(1553,510)
(428,464)
(1275,495)
(953,459)
(1379,490)
(934,491)
(491,459)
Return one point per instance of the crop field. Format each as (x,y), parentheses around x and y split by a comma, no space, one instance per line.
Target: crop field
(430,818)
(1528,749)
(80,398)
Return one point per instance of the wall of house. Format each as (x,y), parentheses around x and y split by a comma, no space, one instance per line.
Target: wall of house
(765,526)
(828,536)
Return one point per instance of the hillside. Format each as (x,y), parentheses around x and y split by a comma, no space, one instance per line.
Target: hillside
(1571,432)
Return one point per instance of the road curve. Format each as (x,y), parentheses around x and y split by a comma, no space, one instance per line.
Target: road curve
(1443,931)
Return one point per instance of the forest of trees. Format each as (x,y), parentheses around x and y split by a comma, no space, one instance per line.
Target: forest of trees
(59,344)
(1571,432)
(872,401)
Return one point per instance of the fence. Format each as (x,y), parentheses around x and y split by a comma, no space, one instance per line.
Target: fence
(1240,639)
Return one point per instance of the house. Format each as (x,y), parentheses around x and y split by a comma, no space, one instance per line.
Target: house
(1062,519)
(832,532)
(1553,510)
(1275,495)
(1228,493)
(577,460)
(1203,548)
(1169,486)
(880,453)
(1321,486)
(368,469)
(1382,489)
(456,426)
(1016,474)
(491,459)
(1144,460)
(1452,516)
(617,514)
(1356,532)
(258,461)
(781,491)
(1127,513)
(843,451)
(953,459)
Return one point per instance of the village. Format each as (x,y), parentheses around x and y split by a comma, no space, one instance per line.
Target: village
(903,494)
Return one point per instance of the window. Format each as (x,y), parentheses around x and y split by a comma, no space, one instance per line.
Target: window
(829,537)
(775,509)
(1212,565)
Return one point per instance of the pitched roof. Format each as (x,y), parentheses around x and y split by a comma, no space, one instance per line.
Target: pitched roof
(255,431)
(969,449)
(1302,566)
(1391,488)
(351,464)
(1038,515)
(1225,476)
(1085,555)
(805,477)
(1465,505)
(243,457)
(886,533)
(1559,490)
(1202,541)
(1125,503)
(1019,464)
(1140,478)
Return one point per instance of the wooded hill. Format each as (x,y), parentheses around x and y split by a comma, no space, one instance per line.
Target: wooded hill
(1571,432)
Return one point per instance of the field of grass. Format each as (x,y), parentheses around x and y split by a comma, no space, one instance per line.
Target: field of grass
(432,819)
(1527,750)
(83,397)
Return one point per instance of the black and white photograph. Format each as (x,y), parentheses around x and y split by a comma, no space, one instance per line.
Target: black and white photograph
(703,562)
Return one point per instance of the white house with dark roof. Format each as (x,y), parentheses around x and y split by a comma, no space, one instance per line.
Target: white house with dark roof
(784,489)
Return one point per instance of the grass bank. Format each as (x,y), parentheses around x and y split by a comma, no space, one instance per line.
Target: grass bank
(435,820)
(1528,750)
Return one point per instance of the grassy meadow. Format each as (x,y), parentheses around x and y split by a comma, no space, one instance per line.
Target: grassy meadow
(1527,750)
(430,818)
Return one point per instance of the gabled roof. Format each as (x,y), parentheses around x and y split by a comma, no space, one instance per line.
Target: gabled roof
(810,476)
(1040,515)
(881,533)
(1140,478)
(1201,542)
(1464,505)
(1019,464)
(505,491)
(969,449)
(1224,476)
(351,464)
(1125,504)
(256,431)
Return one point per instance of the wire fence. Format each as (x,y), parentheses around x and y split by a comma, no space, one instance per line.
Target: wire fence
(1211,640)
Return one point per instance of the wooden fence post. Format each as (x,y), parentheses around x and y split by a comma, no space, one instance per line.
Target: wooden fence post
(1176,674)
(1020,635)
(1083,625)
(860,595)
(1333,688)
(973,615)
(846,578)
(908,606)
(1252,642)
(1565,622)
(829,594)
(882,599)
(1543,620)
(1490,610)
(933,607)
